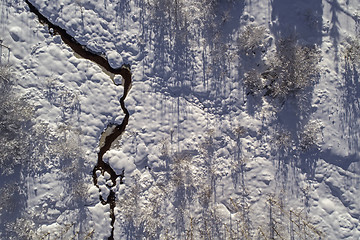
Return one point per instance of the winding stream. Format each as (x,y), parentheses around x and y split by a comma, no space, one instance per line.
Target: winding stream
(116,131)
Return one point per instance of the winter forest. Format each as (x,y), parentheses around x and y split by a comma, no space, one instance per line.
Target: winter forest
(179,119)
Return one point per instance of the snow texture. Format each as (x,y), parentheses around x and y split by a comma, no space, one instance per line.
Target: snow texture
(203,157)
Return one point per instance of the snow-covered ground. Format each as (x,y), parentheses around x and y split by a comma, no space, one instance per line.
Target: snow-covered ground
(203,156)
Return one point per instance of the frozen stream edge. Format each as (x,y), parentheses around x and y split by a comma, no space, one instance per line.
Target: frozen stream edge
(101,167)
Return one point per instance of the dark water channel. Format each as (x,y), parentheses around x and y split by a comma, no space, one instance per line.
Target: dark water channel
(116,131)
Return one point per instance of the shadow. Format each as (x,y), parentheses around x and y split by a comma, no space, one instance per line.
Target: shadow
(301,19)
(4,53)
(339,161)
(351,107)
(357,24)
(291,152)
(13,202)
(238,176)
(16,152)
(336,9)
(223,22)
(49,154)
(172,57)
(4,13)
(39,157)
(295,112)
(334,29)
(177,41)
(238,170)
(122,9)
(60,96)
(254,104)
(308,161)
(35,150)
(299,23)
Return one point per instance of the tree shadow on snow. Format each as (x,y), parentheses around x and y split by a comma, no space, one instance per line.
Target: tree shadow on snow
(292,121)
(176,45)
(351,113)
(13,202)
(301,20)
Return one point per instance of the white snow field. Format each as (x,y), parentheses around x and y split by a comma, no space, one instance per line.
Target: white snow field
(244,120)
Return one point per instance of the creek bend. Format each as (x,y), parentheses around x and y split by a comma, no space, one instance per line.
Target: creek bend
(115,130)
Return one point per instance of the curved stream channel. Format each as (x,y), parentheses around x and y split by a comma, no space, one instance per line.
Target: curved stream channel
(115,132)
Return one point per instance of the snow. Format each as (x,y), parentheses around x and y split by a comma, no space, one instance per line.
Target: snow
(101,220)
(120,160)
(186,104)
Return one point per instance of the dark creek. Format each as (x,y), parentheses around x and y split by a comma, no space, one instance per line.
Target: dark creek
(124,71)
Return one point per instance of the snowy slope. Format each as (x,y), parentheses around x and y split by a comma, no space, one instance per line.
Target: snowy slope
(203,158)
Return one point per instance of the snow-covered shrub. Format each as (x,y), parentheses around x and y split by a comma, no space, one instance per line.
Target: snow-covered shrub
(165,147)
(310,136)
(23,228)
(8,199)
(15,120)
(356,17)
(253,82)
(180,169)
(5,75)
(251,38)
(243,227)
(67,144)
(291,69)
(239,131)
(27,148)
(283,139)
(352,50)
(66,227)
(206,147)
(140,211)
(128,203)
(287,223)
(60,96)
